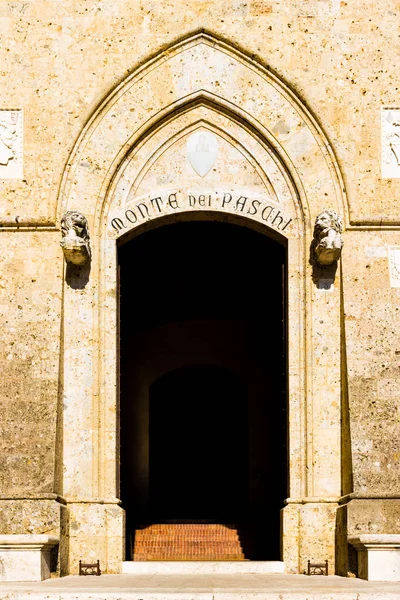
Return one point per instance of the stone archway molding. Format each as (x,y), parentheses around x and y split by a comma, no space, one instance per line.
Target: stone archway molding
(200,72)
(272,109)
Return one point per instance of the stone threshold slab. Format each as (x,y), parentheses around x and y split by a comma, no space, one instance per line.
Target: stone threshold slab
(267,595)
(194,567)
(202,587)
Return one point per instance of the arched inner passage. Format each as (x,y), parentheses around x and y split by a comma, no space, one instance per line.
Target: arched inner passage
(198,442)
(203,391)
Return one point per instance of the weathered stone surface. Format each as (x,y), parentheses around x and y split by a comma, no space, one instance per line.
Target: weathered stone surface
(30,294)
(26,557)
(372,340)
(331,65)
(39,516)
(373,516)
(378,556)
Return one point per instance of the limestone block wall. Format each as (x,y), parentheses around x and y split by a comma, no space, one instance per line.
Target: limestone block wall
(371,429)
(30,308)
(30,300)
(372,310)
(58,61)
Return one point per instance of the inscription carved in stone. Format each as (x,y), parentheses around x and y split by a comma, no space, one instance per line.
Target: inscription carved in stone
(146,208)
(328,241)
(75,241)
(390,122)
(11,144)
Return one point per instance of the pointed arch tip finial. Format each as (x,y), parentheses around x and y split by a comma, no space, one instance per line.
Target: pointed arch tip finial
(328,242)
(75,241)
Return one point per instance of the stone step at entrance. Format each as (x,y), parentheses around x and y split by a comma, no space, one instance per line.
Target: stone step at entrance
(191,541)
(230,568)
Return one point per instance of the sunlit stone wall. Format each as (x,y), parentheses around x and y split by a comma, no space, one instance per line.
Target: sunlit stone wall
(58,62)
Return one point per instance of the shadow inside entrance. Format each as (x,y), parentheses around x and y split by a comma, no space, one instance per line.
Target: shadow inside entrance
(198,445)
(203,394)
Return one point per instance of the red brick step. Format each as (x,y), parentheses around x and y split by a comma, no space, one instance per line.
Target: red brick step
(187,541)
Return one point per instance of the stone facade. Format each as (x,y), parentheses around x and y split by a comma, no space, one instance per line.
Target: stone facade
(291,93)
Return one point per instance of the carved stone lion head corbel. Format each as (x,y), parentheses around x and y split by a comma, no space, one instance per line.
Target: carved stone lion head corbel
(75,238)
(327,240)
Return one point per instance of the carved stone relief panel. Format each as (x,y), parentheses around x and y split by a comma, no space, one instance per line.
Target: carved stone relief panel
(390,123)
(202,148)
(11,144)
(202,161)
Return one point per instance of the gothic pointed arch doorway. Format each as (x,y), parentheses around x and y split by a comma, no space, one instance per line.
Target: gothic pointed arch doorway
(133,166)
(203,392)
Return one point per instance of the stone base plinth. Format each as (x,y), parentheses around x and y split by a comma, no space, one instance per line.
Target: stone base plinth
(378,556)
(40,514)
(308,533)
(25,557)
(193,567)
(96,532)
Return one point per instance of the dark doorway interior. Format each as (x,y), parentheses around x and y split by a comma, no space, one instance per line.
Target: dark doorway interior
(203,380)
(198,445)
